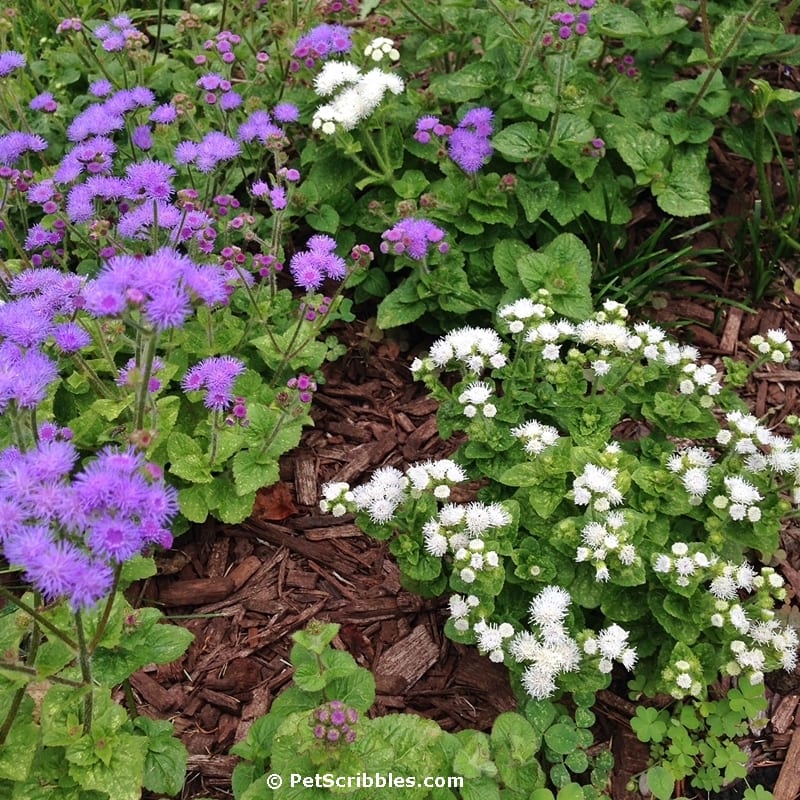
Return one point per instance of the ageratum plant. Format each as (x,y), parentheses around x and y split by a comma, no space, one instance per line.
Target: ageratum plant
(150,297)
(628,500)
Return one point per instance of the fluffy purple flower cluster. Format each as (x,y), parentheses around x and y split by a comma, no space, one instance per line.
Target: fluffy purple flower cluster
(115,34)
(312,266)
(216,375)
(162,286)
(570,24)
(319,43)
(414,238)
(67,534)
(10,60)
(14,145)
(468,144)
(219,90)
(334,722)
(44,102)
(214,148)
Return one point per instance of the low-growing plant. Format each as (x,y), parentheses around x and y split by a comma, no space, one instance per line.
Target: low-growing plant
(624,488)
(317,738)
(696,739)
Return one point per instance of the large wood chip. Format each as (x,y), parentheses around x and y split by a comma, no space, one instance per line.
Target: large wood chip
(411,657)
(787,786)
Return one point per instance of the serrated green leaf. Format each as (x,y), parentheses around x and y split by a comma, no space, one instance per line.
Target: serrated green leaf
(250,474)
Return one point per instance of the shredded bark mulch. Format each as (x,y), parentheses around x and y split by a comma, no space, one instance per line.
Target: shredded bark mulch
(243,589)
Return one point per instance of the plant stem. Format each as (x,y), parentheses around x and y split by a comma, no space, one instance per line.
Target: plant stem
(559,91)
(145,367)
(19,695)
(101,625)
(717,62)
(85,660)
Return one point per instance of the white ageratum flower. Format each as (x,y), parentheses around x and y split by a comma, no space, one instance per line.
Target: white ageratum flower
(549,608)
(380,47)
(597,485)
(476,349)
(359,94)
(337,498)
(535,436)
(381,496)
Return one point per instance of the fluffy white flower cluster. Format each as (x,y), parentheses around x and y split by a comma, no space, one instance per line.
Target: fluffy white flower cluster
(381,47)
(476,398)
(520,312)
(535,436)
(336,498)
(753,657)
(553,651)
(549,334)
(490,638)
(435,476)
(597,486)
(685,678)
(744,434)
(700,380)
(600,540)
(476,349)
(382,494)
(776,345)
(611,644)
(740,500)
(684,562)
(691,465)
(460,609)
(459,530)
(359,94)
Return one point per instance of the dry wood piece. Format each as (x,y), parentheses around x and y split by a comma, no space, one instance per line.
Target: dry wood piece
(196,592)
(244,570)
(306,487)
(411,657)
(783,717)
(212,766)
(787,786)
(729,340)
(153,692)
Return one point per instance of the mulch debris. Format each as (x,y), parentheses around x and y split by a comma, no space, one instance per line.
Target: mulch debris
(244,589)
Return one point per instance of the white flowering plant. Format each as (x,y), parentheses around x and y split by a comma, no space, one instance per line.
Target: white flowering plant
(630,505)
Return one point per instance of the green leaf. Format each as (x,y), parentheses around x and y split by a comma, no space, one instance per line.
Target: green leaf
(411,184)
(536,199)
(401,306)
(469,83)
(121,776)
(250,474)
(618,22)
(22,741)
(187,460)
(165,762)
(326,219)
(561,738)
(193,503)
(660,782)
(642,150)
(515,744)
(520,141)
(686,190)
(564,268)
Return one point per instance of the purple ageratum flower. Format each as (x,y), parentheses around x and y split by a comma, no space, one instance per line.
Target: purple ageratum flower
(321,42)
(162,285)
(95,120)
(259,126)
(142,137)
(311,267)
(149,180)
(10,60)
(414,238)
(113,509)
(286,112)
(71,337)
(216,375)
(165,114)
(469,144)
(14,145)
(230,100)
(25,322)
(40,237)
(44,102)
(101,88)
(206,154)
(277,198)
(25,375)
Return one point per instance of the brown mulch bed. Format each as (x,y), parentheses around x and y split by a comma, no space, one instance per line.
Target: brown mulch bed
(243,589)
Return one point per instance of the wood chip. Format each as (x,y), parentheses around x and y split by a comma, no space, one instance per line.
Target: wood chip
(152,692)
(196,592)
(783,717)
(411,657)
(787,786)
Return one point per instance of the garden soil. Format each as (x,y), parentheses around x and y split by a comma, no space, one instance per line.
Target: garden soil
(243,589)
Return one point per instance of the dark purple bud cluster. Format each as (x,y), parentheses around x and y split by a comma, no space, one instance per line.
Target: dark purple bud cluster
(334,722)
